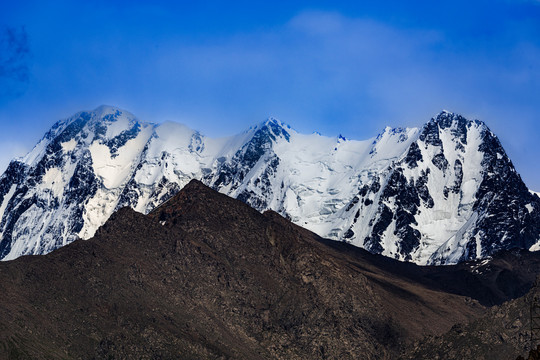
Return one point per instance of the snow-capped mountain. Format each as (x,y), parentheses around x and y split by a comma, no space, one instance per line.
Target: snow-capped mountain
(439,194)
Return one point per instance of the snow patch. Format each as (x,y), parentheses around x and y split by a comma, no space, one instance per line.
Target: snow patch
(37,153)
(114,171)
(97,211)
(535,247)
(69,145)
(53,180)
(485,262)
(6,200)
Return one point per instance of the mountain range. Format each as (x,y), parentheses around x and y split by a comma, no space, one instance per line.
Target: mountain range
(439,194)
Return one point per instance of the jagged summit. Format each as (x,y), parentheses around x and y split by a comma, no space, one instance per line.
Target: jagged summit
(277,122)
(273,128)
(442,193)
(103,113)
(447,119)
(103,110)
(274,121)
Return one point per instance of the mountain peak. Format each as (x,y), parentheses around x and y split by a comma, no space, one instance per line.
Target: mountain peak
(102,113)
(200,201)
(274,121)
(272,128)
(106,109)
(447,119)
(446,116)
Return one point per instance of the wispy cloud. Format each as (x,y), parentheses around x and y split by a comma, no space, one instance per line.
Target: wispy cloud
(333,69)
(319,66)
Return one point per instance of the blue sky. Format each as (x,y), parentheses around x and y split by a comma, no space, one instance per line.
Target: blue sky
(349,67)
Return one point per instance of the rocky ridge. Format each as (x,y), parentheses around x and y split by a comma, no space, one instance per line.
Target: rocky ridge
(186,282)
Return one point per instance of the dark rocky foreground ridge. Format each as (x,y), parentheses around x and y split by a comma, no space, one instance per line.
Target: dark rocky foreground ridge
(502,333)
(205,276)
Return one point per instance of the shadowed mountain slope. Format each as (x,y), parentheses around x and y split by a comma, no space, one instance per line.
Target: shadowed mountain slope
(508,275)
(504,332)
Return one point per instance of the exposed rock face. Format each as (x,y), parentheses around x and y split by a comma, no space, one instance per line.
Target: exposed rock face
(205,276)
(441,194)
(534,354)
(503,333)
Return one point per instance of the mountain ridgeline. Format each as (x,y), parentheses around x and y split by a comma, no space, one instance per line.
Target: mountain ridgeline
(440,194)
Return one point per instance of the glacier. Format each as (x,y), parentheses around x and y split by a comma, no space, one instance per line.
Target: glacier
(439,194)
